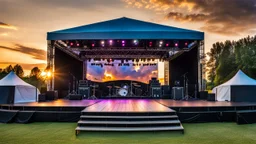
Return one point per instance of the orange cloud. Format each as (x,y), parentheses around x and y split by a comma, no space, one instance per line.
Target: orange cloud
(7,26)
(223,17)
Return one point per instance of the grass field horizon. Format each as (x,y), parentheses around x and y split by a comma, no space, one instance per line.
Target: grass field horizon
(64,133)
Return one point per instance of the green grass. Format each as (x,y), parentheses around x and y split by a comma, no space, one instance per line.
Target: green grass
(64,133)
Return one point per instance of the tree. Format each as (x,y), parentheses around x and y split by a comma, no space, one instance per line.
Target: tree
(225,59)
(8,69)
(35,72)
(18,70)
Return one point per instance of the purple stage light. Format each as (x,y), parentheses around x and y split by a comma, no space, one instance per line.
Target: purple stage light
(167,45)
(71,44)
(123,44)
(123,41)
(176,44)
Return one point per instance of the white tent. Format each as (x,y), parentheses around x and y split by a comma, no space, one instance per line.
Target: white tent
(24,92)
(223,91)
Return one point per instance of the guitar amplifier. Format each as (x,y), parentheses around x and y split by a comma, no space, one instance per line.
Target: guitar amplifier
(177,93)
(84,91)
(156,92)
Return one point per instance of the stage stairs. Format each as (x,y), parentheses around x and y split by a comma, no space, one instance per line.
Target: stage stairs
(129,121)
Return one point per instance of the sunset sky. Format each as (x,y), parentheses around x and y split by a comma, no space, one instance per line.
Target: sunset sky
(24,23)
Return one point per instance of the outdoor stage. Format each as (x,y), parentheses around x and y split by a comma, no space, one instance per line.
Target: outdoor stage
(188,111)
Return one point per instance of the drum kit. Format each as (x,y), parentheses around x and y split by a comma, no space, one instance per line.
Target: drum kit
(125,90)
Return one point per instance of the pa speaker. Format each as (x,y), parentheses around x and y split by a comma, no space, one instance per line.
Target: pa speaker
(177,93)
(84,91)
(211,97)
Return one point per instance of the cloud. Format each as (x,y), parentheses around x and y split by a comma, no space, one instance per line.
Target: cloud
(107,73)
(33,52)
(224,17)
(7,26)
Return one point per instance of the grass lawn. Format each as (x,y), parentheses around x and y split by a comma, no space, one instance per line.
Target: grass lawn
(64,133)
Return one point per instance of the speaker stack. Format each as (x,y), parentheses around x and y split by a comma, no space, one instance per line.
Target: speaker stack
(84,88)
(155,88)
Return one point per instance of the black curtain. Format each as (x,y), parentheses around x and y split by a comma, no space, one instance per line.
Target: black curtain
(7,94)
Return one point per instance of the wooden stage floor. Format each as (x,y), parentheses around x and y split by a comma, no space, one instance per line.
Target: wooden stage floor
(128,106)
(203,103)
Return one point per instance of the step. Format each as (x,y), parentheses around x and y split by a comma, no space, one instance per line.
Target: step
(128,117)
(130,122)
(165,128)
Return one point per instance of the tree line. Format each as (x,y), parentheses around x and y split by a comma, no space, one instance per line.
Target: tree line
(226,58)
(33,78)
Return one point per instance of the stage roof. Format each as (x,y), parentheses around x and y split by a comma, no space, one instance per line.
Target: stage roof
(125,28)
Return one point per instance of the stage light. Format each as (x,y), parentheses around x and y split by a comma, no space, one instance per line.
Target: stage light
(123,45)
(161,42)
(77,44)
(102,42)
(93,45)
(160,45)
(135,42)
(186,44)
(71,44)
(123,41)
(167,45)
(176,45)
(110,42)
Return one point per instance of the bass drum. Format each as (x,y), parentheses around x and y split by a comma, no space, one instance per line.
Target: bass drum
(123,92)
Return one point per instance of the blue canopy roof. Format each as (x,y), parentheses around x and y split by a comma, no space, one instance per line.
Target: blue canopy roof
(125,28)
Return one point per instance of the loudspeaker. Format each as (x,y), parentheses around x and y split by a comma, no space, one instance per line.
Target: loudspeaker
(75,97)
(177,93)
(51,95)
(84,91)
(41,97)
(203,95)
(156,92)
(211,97)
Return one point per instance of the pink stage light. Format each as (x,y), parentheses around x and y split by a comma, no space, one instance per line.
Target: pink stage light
(186,44)
(71,44)
(93,45)
(123,41)
(167,45)
(176,44)
(77,44)
(123,45)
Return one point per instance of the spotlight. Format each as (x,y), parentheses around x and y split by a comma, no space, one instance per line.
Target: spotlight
(123,44)
(110,42)
(135,42)
(123,41)
(71,44)
(176,45)
(78,44)
(102,42)
(186,44)
(93,44)
(161,42)
(167,45)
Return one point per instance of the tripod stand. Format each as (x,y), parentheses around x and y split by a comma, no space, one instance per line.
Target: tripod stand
(185,84)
